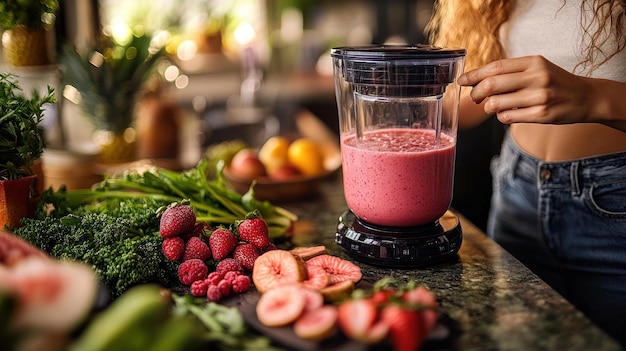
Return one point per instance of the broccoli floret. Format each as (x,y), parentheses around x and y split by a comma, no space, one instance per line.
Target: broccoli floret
(122,252)
(137,261)
(139,212)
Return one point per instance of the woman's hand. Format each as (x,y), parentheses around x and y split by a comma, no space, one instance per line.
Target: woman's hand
(530,89)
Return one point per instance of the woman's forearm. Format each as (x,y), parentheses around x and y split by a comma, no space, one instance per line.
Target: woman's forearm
(608,103)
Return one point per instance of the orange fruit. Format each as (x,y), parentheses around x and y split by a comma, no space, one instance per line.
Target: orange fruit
(307,156)
(273,153)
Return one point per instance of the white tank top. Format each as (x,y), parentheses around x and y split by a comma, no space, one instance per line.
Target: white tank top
(553,29)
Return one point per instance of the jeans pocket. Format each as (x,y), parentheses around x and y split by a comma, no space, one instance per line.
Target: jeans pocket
(608,200)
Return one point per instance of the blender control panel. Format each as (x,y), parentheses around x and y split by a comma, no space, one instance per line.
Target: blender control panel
(403,247)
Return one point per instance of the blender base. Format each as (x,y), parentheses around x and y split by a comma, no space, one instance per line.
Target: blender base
(400,247)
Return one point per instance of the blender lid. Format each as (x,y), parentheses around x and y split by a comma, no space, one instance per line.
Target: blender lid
(395,65)
(395,52)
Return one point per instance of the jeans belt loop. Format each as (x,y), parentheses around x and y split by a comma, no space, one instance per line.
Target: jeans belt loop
(574,177)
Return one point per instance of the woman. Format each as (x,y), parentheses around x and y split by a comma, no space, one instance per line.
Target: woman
(555,70)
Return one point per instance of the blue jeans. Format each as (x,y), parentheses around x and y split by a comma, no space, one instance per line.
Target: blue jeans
(566,221)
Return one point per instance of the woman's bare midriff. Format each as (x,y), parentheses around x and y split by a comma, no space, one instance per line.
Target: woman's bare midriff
(567,142)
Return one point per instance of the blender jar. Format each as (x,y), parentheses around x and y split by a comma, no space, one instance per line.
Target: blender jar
(398,112)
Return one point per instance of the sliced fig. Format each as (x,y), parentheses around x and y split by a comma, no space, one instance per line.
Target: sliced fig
(53,295)
(317,324)
(338,291)
(14,249)
(313,299)
(277,268)
(317,278)
(308,252)
(337,268)
(280,306)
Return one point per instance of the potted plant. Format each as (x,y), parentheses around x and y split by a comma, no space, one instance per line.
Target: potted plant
(25,23)
(109,80)
(22,142)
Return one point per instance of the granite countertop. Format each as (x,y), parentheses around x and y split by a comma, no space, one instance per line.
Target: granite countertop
(494,301)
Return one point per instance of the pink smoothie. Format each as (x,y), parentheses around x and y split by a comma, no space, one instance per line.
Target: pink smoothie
(396,177)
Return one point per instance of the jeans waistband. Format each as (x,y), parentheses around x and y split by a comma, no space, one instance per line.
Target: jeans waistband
(579,173)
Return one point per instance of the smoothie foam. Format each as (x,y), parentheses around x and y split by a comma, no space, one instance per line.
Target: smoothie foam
(398,177)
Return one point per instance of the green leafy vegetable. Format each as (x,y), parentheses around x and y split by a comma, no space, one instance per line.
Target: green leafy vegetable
(212,199)
(225,326)
(21,134)
(120,239)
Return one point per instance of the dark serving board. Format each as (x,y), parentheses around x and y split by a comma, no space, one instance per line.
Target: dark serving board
(442,337)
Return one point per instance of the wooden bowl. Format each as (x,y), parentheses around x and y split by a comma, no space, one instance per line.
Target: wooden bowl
(295,188)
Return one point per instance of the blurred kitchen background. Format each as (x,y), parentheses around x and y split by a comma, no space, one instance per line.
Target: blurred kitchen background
(236,69)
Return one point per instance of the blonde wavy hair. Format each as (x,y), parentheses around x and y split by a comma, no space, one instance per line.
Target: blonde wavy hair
(474,25)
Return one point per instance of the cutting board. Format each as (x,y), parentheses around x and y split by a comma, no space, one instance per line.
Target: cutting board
(442,337)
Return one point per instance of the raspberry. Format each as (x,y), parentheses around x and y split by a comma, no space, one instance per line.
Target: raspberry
(241,284)
(173,248)
(222,242)
(228,265)
(196,248)
(230,276)
(213,294)
(224,287)
(255,231)
(214,278)
(199,288)
(246,254)
(177,220)
(192,270)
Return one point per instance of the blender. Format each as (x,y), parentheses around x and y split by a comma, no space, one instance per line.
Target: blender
(398,114)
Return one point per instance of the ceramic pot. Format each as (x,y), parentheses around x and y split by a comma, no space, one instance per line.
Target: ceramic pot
(26,46)
(17,201)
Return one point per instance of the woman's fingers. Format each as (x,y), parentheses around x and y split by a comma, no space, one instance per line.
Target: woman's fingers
(501,84)
(499,67)
(517,99)
(529,89)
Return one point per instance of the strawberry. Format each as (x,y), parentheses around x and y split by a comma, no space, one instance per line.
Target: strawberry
(199,230)
(246,254)
(255,231)
(358,319)
(405,327)
(426,300)
(177,220)
(173,248)
(222,242)
(383,296)
(196,248)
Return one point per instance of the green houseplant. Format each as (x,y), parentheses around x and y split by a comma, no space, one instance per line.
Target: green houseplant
(22,142)
(110,79)
(25,24)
